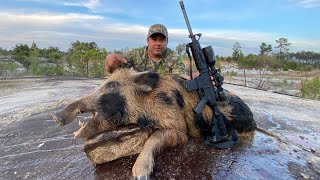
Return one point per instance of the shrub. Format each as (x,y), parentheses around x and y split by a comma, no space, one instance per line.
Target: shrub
(312,89)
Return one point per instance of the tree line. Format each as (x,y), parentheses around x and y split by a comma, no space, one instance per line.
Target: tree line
(275,58)
(82,59)
(87,59)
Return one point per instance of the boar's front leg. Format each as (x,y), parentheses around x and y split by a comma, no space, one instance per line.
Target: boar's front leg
(159,140)
(70,112)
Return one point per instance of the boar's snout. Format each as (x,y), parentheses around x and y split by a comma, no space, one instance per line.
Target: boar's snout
(58,119)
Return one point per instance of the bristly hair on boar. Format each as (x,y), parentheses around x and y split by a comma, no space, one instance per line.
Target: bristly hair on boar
(155,101)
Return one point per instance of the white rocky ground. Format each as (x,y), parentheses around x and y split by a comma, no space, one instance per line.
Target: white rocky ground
(31,141)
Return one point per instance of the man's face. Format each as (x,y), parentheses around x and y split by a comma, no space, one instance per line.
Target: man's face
(157,44)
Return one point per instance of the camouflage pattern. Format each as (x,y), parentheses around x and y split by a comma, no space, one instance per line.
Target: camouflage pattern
(158,28)
(170,63)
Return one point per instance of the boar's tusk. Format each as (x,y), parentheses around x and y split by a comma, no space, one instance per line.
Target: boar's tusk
(81,124)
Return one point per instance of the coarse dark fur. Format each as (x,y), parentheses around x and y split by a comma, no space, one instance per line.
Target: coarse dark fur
(156,101)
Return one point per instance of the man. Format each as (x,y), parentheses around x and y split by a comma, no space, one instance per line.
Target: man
(155,57)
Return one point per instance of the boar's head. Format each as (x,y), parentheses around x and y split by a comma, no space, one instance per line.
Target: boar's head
(115,103)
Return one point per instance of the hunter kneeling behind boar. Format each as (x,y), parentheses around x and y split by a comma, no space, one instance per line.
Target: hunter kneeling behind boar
(162,108)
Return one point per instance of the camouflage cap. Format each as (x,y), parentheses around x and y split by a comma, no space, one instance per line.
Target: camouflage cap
(158,28)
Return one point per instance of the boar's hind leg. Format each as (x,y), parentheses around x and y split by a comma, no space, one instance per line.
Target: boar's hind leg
(159,140)
(69,113)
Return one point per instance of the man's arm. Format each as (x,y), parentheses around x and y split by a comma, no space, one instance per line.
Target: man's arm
(113,61)
(135,59)
(132,58)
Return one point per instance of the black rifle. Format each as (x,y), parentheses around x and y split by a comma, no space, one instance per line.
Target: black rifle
(208,92)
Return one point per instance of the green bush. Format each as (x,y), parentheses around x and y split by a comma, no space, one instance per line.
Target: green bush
(312,89)
(45,70)
(232,73)
(295,66)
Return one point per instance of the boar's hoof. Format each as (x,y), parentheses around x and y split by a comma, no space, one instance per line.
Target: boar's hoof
(59,120)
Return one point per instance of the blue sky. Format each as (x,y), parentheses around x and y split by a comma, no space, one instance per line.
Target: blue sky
(124,23)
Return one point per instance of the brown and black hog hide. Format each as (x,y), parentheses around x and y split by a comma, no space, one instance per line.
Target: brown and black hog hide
(150,101)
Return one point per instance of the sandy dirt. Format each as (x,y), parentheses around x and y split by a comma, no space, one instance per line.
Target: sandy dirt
(33,147)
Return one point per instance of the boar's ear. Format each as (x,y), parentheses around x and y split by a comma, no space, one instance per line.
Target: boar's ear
(145,88)
(142,90)
(147,80)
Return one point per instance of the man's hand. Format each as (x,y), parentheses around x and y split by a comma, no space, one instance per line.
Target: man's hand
(113,61)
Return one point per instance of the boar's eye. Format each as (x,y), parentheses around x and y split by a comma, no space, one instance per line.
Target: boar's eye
(164,98)
(112,85)
(113,106)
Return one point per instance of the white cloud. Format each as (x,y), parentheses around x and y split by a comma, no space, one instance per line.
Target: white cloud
(97,6)
(43,27)
(43,19)
(49,29)
(229,35)
(60,29)
(308,3)
(93,5)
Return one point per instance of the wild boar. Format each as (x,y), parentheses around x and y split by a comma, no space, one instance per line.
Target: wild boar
(155,101)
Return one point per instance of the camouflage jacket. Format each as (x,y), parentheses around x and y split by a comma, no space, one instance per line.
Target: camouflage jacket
(170,63)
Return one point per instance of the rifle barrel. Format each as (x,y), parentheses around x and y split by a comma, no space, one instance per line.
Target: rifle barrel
(186,18)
